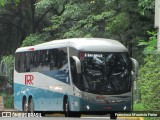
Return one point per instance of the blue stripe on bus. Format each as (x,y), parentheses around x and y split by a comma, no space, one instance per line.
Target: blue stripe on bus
(47,100)
(44,100)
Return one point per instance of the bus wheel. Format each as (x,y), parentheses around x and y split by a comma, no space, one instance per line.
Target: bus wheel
(31,105)
(25,104)
(66,109)
(112,116)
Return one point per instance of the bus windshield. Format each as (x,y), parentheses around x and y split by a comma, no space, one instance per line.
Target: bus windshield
(105,73)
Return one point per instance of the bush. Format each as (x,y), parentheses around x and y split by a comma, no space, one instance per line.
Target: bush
(149,82)
(138,107)
(8,100)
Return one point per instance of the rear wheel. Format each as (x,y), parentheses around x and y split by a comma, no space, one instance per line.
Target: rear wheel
(31,105)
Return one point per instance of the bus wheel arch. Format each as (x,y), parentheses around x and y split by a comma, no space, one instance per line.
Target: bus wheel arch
(24,103)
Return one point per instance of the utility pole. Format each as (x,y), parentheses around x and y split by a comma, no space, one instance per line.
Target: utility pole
(157,21)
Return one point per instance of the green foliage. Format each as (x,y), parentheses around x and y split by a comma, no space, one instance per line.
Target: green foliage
(118,23)
(151,44)
(9,63)
(149,74)
(116,19)
(8,100)
(146,5)
(4,2)
(34,39)
(149,82)
(138,107)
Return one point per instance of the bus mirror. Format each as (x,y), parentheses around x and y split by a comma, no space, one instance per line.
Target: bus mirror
(78,64)
(135,67)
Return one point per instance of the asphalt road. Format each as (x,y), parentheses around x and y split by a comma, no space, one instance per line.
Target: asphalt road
(55,118)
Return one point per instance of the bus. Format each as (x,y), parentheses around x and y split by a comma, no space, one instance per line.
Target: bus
(74,76)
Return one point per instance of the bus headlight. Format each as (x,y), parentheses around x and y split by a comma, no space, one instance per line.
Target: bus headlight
(88,107)
(125,107)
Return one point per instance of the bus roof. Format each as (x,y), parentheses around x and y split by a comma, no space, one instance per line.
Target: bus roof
(83,44)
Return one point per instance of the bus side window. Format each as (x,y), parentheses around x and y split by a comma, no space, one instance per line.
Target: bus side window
(17,62)
(28,60)
(22,63)
(45,60)
(31,66)
(62,58)
(35,59)
(53,59)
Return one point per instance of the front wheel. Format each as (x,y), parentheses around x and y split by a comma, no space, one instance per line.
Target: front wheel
(67,111)
(112,116)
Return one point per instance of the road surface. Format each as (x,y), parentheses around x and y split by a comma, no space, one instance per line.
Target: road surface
(56,118)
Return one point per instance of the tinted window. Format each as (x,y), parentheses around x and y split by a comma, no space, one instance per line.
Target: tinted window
(41,60)
(106,73)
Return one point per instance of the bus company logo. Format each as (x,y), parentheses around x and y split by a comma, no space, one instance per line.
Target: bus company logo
(29,79)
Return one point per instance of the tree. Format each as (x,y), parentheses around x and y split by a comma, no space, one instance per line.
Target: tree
(35,39)
(116,19)
(19,19)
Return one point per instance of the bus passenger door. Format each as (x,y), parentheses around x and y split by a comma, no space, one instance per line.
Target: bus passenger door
(75,70)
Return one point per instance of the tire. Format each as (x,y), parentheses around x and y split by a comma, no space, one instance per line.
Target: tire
(43,114)
(112,116)
(66,108)
(31,105)
(67,111)
(25,105)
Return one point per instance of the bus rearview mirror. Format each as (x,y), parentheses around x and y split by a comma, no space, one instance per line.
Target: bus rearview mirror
(135,67)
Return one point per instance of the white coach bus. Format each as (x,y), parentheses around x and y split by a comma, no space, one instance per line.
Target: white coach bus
(74,76)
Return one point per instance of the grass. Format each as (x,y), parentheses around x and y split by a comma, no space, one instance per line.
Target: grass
(138,107)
